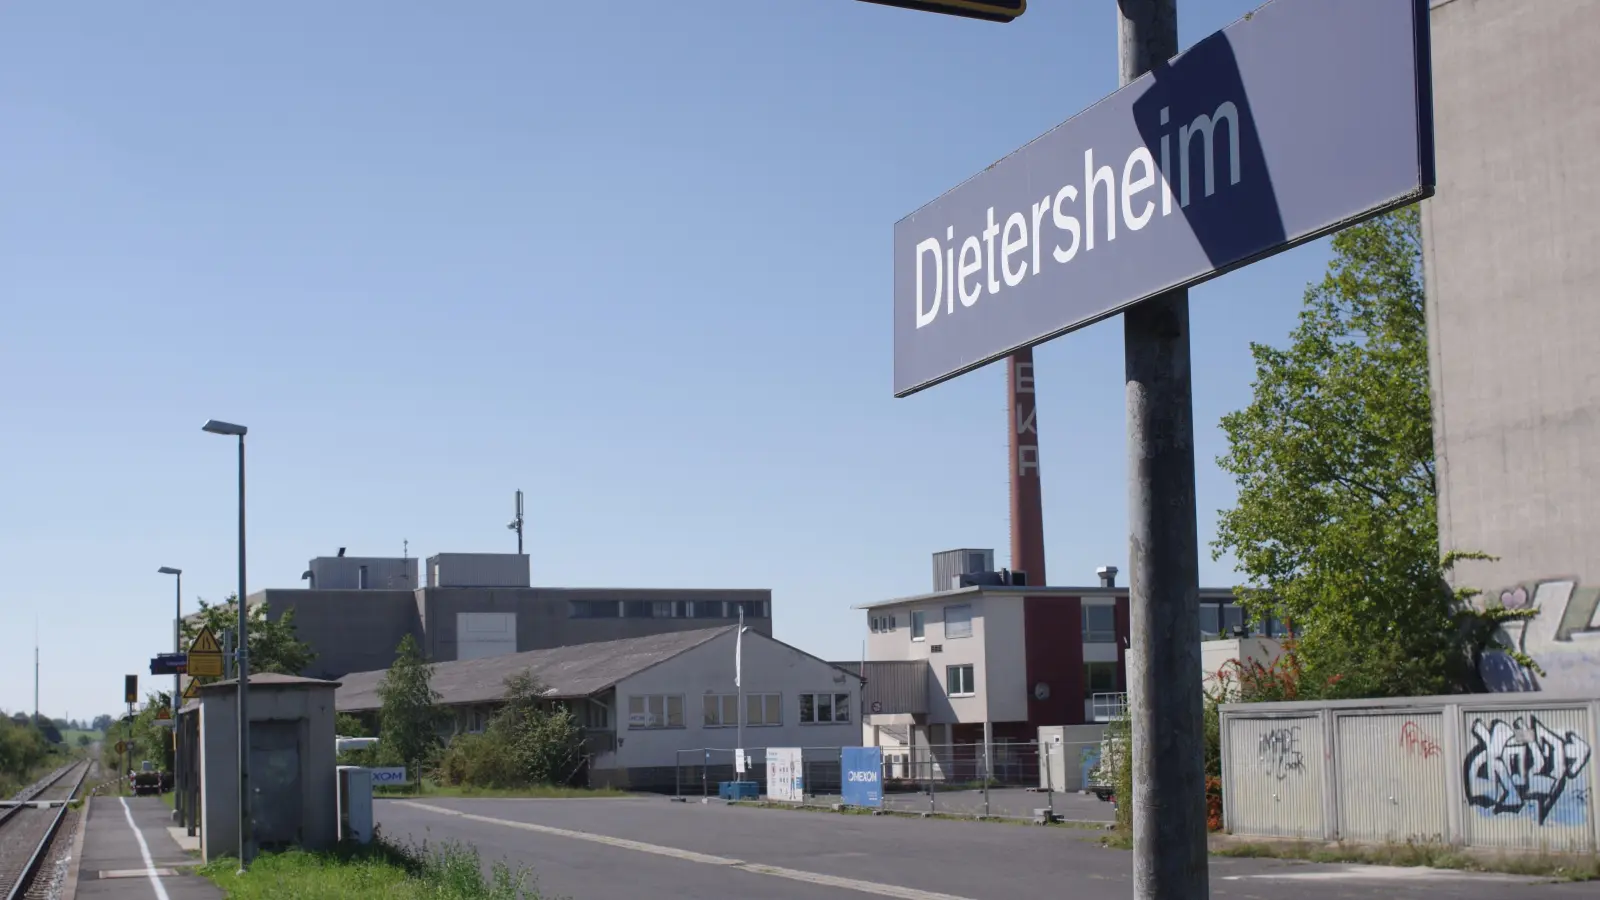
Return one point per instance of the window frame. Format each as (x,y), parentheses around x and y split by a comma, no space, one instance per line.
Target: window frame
(838,702)
(725,701)
(1092,635)
(959,634)
(969,680)
(666,711)
(919,625)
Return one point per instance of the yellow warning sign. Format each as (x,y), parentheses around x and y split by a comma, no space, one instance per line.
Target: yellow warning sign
(205,642)
(205,656)
(163,714)
(192,690)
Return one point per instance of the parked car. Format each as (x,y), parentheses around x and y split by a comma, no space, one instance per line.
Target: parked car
(148,780)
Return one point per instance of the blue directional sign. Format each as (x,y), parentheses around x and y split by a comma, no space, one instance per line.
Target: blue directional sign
(1304,117)
(861,772)
(169,664)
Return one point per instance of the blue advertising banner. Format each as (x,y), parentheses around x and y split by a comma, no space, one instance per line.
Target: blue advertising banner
(1301,118)
(860,770)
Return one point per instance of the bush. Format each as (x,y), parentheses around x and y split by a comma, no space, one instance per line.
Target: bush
(378,871)
(531,741)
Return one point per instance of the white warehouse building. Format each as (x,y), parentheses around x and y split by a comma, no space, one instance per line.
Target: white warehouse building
(646,702)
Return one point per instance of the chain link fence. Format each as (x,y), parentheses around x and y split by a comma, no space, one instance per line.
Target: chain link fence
(1016,780)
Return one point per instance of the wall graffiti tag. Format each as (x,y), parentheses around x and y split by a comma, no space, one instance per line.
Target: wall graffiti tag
(1563,635)
(1417,742)
(1280,751)
(1512,767)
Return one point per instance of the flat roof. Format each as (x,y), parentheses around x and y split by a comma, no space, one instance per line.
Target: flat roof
(1024,591)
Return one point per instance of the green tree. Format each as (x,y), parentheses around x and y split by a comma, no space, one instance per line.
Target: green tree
(1335,526)
(274,645)
(409,716)
(530,741)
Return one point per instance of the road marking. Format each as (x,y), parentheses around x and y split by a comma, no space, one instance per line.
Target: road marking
(1378,873)
(833,881)
(144,851)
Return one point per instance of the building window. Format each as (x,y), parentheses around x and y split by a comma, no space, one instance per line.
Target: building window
(1232,617)
(889,623)
(919,625)
(976,562)
(655,711)
(637,609)
(669,609)
(1099,624)
(721,710)
(593,609)
(1210,622)
(753,609)
(958,621)
(595,715)
(824,709)
(708,609)
(1099,678)
(960,681)
(763,709)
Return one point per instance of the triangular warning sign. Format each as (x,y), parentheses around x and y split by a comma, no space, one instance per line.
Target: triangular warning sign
(192,690)
(163,713)
(205,642)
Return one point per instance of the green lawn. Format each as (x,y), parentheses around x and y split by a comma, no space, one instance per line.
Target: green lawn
(376,872)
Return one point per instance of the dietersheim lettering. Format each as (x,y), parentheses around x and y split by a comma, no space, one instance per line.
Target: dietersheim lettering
(1010,248)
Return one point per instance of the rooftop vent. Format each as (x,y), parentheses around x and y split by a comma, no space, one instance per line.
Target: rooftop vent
(1108,576)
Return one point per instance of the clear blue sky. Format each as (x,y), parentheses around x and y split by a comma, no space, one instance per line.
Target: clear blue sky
(630,257)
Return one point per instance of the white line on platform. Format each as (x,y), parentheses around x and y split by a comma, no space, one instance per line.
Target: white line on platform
(834,881)
(144,851)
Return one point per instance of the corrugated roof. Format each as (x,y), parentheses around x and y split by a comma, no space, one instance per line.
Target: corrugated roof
(577,670)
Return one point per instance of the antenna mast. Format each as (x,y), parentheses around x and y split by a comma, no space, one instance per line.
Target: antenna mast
(516,523)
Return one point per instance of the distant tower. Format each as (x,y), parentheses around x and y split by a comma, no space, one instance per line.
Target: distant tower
(1027,503)
(516,523)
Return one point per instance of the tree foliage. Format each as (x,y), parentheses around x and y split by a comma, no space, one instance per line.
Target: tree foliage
(530,741)
(409,717)
(23,752)
(1335,525)
(274,645)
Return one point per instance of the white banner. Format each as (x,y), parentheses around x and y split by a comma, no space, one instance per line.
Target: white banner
(785,775)
(388,776)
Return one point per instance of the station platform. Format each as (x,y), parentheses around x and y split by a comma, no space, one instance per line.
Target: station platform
(128,851)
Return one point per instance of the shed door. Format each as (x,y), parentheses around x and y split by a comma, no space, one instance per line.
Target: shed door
(275,782)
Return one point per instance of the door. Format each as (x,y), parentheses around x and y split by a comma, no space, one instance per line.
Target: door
(275,801)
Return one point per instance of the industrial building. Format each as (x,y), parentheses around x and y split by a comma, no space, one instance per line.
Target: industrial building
(984,659)
(645,702)
(355,610)
(1510,269)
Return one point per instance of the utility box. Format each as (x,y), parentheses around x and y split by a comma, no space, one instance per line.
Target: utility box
(1068,756)
(294,785)
(355,804)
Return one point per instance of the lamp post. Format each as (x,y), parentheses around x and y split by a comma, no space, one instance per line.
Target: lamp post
(177,680)
(242,643)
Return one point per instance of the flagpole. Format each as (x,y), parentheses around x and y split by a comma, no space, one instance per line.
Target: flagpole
(738,682)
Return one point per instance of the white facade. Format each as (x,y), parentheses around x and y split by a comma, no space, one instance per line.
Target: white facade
(990,643)
(663,710)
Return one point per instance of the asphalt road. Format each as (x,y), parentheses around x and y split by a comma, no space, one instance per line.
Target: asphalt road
(630,848)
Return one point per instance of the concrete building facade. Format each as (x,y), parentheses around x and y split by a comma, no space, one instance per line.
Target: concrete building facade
(475,606)
(646,703)
(1510,268)
(1006,658)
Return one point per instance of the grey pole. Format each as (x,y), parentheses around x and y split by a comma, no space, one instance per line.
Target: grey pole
(241,654)
(177,689)
(1169,822)
(244,683)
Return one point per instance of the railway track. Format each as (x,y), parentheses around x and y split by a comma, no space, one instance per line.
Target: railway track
(26,832)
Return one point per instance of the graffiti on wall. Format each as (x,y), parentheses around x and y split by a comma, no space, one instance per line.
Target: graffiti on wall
(1563,636)
(1280,751)
(1524,765)
(1417,742)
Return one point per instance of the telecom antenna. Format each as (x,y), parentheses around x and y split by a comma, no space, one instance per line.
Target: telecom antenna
(516,524)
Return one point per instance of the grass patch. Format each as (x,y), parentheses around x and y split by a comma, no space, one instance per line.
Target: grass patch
(538,791)
(169,798)
(378,871)
(906,814)
(1575,867)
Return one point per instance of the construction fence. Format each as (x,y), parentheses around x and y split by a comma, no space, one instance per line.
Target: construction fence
(1015,780)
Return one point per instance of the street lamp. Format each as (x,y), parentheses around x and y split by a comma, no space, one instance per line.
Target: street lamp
(177,680)
(242,645)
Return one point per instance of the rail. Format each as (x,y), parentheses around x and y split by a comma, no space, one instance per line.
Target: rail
(17,816)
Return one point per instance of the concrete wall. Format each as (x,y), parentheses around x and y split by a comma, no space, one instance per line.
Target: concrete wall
(1509,250)
(1006,689)
(343,573)
(350,631)
(544,618)
(311,706)
(1505,771)
(769,667)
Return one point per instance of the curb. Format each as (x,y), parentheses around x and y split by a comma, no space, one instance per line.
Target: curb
(69,885)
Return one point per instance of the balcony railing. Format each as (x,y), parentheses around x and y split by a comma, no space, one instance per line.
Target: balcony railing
(1105,707)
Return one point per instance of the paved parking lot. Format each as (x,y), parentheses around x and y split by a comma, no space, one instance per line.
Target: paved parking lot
(629,848)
